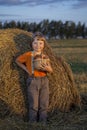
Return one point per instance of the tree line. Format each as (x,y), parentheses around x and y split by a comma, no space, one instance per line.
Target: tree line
(51,29)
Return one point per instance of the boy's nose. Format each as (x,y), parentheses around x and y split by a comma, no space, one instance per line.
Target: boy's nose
(38,44)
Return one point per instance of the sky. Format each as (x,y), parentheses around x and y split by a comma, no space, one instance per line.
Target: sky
(37,10)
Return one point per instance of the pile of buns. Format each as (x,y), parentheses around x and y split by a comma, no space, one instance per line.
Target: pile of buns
(39,61)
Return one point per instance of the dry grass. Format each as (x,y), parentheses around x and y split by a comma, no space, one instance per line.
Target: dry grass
(14,42)
(81,81)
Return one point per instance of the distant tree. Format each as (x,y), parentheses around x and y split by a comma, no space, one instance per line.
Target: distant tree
(79,29)
(60,27)
(25,26)
(39,27)
(53,32)
(83,30)
(56,29)
(66,29)
(33,27)
(69,29)
(18,24)
(1,25)
(12,24)
(72,30)
(86,32)
(6,25)
(45,26)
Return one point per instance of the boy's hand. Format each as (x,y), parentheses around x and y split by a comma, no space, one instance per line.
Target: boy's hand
(22,66)
(46,67)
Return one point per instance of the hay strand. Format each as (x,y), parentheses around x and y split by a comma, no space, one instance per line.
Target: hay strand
(63,91)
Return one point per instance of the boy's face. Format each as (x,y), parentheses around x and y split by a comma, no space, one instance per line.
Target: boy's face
(38,45)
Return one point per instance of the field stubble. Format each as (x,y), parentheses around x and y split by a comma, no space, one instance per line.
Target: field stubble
(75,53)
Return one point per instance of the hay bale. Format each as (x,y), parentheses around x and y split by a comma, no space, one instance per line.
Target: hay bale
(63,92)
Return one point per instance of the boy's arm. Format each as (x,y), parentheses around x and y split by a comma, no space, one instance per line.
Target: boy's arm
(22,66)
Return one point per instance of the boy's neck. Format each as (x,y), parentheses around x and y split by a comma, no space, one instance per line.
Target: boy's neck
(36,52)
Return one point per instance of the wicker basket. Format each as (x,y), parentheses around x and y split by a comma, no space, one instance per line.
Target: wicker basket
(38,62)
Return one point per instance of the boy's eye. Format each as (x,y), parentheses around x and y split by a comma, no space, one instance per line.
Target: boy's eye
(41,43)
(35,42)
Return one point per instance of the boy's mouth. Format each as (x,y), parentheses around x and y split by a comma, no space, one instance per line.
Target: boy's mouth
(38,48)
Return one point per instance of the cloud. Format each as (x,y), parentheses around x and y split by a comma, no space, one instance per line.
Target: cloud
(80,4)
(28,2)
(75,4)
(9,2)
(5,15)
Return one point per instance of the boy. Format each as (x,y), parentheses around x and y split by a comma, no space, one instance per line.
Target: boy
(37,82)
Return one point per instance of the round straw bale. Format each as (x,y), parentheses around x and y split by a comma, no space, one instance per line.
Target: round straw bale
(63,92)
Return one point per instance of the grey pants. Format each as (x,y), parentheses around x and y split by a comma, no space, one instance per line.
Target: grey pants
(38,96)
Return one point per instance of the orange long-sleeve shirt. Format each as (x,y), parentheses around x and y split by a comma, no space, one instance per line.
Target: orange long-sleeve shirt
(26,58)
